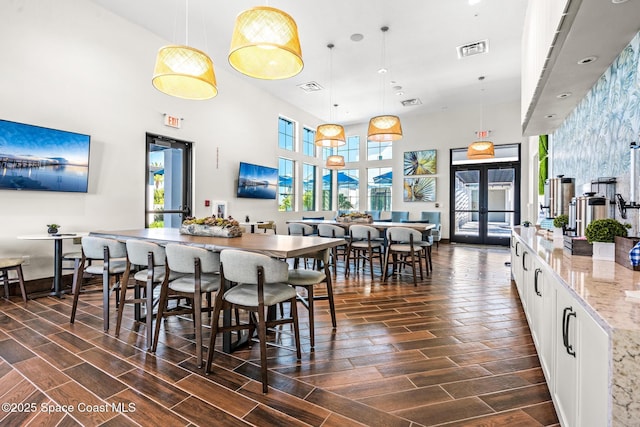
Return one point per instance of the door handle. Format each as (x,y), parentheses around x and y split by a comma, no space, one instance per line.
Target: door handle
(566,318)
(524,260)
(535,281)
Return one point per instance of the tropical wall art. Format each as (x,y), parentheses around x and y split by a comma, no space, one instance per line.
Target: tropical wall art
(420,162)
(419,189)
(594,139)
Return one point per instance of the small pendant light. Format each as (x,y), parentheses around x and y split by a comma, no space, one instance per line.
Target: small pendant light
(330,134)
(482,148)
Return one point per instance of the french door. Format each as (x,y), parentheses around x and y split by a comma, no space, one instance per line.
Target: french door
(486,202)
(168,182)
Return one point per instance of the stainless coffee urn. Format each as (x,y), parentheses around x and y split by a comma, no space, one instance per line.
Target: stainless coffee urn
(588,208)
(558,193)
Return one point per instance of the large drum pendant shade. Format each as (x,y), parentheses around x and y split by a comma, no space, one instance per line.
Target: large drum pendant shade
(479,150)
(330,135)
(184,72)
(265,44)
(384,128)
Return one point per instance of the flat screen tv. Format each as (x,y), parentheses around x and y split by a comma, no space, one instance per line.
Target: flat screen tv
(38,158)
(257,182)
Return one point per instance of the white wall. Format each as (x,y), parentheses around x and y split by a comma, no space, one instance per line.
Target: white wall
(71,65)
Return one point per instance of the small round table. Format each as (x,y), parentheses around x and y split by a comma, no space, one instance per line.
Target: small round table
(57,255)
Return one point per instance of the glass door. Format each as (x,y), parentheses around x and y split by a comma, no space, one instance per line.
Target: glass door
(168,182)
(486,200)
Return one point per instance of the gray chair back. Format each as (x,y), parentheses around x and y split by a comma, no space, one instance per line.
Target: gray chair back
(138,252)
(375,215)
(241,266)
(180,259)
(403,234)
(363,232)
(93,247)
(329,230)
(297,229)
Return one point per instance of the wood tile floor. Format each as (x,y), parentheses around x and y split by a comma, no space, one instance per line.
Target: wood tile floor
(453,351)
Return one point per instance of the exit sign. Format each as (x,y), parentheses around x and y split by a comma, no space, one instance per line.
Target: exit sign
(172,121)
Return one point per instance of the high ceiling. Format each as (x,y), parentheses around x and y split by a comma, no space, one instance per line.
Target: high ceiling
(420,50)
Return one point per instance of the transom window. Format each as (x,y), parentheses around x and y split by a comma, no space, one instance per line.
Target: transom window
(286,134)
(379,150)
(350,151)
(308,142)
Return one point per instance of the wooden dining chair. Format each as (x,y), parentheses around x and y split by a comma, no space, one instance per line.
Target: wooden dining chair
(403,249)
(334,231)
(8,265)
(198,271)
(364,244)
(113,255)
(259,283)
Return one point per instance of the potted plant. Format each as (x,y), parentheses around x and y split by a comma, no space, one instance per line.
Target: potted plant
(53,228)
(559,224)
(602,233)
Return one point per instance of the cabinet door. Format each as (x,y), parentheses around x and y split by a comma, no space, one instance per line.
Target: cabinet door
(516,263)
(593,360)
(545,294)
(565,384)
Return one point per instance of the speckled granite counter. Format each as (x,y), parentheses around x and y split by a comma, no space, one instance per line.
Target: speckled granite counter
(600,287)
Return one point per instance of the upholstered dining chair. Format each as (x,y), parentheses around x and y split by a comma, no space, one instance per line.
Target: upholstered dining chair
(298,229)
(199,273)
(113,255)
(399,216)
(8,265)
(403,248)
(260,282)
(150,258)
(269,225)
(334,231)
(309,279)
(364,243)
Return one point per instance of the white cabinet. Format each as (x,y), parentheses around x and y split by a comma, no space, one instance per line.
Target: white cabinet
(581,380)
(573,349)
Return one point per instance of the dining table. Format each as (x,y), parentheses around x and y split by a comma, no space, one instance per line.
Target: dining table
(273,245)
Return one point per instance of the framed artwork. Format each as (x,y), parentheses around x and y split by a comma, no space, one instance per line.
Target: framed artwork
(419,189)
(420,162)
(219,209)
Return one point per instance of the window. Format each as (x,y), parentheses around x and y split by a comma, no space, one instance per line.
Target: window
(326,152)
(379,150)
(327,189)
(286,184)
(308,142)
(350,151)
(379,182)
(309,187)
(348,199)
(286,134)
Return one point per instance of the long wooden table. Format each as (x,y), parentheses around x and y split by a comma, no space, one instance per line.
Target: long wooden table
(277,246)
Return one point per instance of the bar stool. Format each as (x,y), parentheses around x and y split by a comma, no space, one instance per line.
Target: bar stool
(113,255)
(12,264)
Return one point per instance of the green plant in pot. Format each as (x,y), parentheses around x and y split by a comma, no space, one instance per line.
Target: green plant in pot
(52,228)
(561,221)
(605,230)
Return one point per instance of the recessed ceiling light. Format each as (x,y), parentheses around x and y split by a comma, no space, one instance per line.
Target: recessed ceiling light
(619,1)
(474,2)
(356,37)
(587,60)
(564,95)
(400,93)
(382,70)
(397,87)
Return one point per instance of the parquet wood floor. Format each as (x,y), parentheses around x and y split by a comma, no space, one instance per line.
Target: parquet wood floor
(453,351)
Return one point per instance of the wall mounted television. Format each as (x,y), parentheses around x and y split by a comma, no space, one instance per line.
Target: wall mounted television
(43,159)
(257,182)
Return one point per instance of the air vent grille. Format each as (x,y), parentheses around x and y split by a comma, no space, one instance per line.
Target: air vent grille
(475,48)
(410,102)
(310,87)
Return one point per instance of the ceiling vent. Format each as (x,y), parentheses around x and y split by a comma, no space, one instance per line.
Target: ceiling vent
(410,102)
(474,48)
(310,87)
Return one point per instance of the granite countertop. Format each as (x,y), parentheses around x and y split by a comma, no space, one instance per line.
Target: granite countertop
(601,285)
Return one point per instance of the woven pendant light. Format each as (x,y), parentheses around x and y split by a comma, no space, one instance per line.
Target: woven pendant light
(335,162)
(265,44)
(184,72)
(481,149)
(384,128)
(330,135)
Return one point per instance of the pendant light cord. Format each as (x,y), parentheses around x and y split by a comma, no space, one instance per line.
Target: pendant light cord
(331,46)
(383,68)
(186,23)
